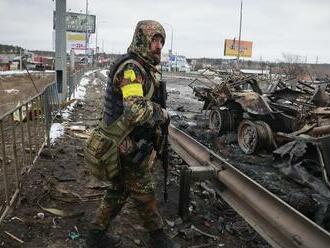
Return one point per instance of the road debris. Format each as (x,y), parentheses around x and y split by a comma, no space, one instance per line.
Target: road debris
(14,237)
(74,235)
(204,233)
(40,215)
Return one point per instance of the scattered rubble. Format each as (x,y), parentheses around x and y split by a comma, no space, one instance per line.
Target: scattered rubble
(284,123)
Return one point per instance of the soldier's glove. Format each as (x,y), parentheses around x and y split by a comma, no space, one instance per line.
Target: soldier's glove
(166,117)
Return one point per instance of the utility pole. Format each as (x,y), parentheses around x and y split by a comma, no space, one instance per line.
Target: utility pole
(96,30)
(171,49)
(86,41)
(60,48)
(20,59)
(171,54)
(171,39)
(240,33)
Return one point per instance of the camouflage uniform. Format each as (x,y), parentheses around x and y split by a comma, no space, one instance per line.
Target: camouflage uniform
(125,96)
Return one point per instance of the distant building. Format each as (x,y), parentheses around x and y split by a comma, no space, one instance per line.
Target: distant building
(255,71)
(172,62)
(4,63)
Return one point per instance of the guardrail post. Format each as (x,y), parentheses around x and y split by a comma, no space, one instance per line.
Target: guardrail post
(48,115)
(22,136)
(29,131)
(14,146)
(4,163)
(187,176)
(184,192)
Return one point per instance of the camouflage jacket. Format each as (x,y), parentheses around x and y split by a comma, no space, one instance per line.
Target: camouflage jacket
(133,82)
(131,79)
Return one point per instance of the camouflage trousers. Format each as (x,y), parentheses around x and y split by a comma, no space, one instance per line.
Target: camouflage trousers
(136,182)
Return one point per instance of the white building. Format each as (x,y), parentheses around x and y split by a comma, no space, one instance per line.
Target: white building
(175,63)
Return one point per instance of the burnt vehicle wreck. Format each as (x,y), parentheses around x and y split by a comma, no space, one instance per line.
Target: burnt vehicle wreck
(289,118)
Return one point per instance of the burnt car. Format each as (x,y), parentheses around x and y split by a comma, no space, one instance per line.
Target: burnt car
(269,118)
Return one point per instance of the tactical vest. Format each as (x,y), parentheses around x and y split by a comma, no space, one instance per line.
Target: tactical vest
(101,151)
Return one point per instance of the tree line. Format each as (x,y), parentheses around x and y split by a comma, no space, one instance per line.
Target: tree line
(9,49)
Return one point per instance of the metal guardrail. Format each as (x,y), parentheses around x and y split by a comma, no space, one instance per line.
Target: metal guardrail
(23,133)
(277,222)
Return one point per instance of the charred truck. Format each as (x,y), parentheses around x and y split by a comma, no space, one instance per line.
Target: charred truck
(290,118)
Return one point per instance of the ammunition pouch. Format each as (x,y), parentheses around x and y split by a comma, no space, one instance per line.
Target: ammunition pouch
(101,151)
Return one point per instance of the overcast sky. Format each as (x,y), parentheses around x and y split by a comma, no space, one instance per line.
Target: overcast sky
(200,27)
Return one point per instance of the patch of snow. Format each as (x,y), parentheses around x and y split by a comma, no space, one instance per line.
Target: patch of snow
(12,91)
(68,110)
(172,113)
(96,82)
(13,72)
(90,72)
(79,94)
(192,123)
(81,89)
(105,73)
(17,72)
(56,131)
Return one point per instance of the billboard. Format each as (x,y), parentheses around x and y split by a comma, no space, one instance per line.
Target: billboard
(76,41)
(77,22)
(231,48)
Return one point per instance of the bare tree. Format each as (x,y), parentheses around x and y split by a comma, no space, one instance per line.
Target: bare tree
(292,65)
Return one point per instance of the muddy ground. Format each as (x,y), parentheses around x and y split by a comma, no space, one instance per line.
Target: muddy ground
(20,87)
(60,180)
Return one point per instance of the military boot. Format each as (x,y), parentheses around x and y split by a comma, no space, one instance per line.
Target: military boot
(158,239)
(99,239)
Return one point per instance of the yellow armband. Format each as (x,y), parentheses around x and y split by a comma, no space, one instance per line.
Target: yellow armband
(132,90)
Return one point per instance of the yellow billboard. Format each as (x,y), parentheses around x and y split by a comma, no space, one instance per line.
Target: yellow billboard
(231,48)
(76,40)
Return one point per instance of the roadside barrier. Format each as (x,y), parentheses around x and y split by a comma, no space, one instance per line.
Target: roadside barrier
(24,131)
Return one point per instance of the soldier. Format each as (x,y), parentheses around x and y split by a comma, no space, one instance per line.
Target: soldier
(126,134)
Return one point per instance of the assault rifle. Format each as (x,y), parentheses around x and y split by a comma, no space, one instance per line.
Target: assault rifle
(164,157)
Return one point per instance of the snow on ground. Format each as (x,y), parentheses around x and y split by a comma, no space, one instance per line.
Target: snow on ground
(16,72)
(79,94)
(183,92)
(68,110)
(12,91)
(105,72)
(56,131)
(90,72)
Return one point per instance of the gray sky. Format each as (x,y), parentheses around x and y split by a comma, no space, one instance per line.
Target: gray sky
(200,27)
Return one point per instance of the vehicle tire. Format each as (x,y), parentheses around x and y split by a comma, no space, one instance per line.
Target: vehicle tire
(221,121)
(254,136)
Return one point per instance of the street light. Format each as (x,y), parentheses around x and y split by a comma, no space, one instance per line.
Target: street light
(96,31)
(171,50)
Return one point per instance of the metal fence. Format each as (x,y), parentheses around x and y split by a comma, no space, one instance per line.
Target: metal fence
(23,133)
(73,80)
